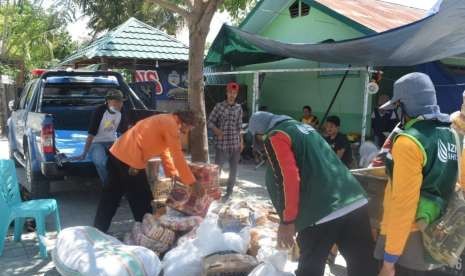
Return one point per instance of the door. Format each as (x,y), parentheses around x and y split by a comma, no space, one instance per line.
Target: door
(19,116)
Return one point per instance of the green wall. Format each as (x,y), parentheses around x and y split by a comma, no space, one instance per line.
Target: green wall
(287,93)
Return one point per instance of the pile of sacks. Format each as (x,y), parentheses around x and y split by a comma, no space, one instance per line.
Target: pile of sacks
(234,239)
(209,250)
(160,234)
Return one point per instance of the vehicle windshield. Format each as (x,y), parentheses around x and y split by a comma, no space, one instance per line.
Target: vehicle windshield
(75,94)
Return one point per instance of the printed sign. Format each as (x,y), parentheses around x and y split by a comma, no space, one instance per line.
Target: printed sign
(150,75)
(169,83)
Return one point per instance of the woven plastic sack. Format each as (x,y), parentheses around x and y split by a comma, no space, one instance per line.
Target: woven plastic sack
(228,263)
(208,176)
(85,250)
(154,230)
(444,239)
(182,224)
(156,246)
(182,200)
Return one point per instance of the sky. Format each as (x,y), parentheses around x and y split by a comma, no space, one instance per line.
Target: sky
(79,31)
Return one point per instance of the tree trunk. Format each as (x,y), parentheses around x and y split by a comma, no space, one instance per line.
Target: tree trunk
(198,138)
(198,16)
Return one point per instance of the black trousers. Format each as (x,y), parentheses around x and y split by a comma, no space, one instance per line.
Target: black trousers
(119,183)
(353,237)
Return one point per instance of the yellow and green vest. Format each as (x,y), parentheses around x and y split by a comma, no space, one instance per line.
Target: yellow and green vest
(437,143)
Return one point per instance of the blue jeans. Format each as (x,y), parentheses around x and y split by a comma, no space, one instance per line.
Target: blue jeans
(98,153)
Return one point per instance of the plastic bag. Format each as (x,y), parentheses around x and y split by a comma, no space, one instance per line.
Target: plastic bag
(273,264)
(237,242)
(183,260)
(211,239)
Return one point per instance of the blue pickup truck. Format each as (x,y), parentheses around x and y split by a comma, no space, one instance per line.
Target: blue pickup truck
(49,122)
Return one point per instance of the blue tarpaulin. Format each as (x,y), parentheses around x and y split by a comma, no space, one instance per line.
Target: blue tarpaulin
(435,37)
(449,85)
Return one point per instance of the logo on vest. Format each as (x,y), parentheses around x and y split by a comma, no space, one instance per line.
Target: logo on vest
(446,151)
(305,129)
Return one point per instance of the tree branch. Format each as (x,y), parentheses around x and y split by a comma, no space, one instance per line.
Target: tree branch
(209,11)
(189,4)
(172,7)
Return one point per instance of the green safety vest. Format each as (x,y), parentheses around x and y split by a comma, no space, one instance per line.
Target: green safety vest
(326,185)
(437,143)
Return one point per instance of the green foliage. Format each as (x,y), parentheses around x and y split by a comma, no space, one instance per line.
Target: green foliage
(238,9)
(107,14)
(33,35)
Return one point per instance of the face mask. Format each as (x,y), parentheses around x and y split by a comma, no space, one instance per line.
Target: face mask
(113,109)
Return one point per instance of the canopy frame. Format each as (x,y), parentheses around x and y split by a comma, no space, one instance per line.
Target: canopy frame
(256,85)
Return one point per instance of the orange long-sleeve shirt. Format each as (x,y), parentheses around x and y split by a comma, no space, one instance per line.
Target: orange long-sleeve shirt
(157,135)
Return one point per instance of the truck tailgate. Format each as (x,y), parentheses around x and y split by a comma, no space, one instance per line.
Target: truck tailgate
(70,142)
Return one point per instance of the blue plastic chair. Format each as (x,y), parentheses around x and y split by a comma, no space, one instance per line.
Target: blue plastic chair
(12,208)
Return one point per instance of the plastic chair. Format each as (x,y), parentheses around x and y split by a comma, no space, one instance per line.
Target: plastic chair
(12,208)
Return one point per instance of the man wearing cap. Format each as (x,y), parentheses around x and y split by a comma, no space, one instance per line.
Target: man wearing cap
(315,196)
(226,122)
(155,136)
(422,170)
(106,121)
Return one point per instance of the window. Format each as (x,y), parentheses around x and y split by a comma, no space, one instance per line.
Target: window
(75,94)
(299,8)
(27,94)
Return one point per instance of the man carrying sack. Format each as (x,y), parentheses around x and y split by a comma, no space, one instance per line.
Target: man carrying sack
(158,135)
(422,171)
(315,195)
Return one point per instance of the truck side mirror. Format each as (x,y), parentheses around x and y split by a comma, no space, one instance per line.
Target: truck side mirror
(12,105)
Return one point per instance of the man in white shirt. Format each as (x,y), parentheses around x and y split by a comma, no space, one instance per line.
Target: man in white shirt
(106,121)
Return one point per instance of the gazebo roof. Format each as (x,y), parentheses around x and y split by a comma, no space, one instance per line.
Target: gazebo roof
(132,40)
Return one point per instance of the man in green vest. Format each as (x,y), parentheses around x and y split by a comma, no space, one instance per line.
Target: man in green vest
(315,195)
(422,170)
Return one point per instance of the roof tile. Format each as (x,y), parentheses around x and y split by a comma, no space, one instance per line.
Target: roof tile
(133,39)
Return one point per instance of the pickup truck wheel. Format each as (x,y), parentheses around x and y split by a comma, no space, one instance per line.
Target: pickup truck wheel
(37,186)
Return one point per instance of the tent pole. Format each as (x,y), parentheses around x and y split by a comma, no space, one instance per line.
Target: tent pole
(256,91)
(333,99)
(365,105)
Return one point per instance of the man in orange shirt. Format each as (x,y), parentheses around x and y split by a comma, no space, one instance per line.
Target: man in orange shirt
(158,135)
